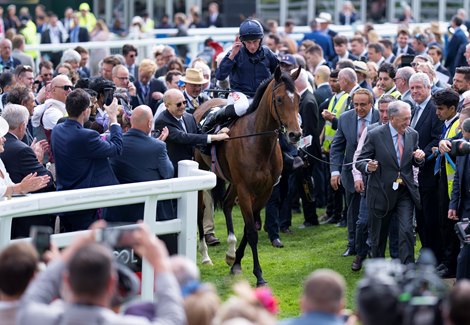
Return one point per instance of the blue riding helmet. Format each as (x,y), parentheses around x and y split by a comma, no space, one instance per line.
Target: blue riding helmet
(250,30)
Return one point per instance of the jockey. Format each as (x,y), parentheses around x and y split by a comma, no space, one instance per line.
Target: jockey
(247,65)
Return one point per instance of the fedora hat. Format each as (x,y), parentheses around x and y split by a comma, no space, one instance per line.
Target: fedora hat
(361,66)
(194,76)
(3,127)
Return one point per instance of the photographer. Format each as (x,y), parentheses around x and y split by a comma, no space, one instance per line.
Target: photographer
(87,271)
(459,206)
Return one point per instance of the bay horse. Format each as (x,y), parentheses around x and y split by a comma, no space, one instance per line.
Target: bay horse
(252,161)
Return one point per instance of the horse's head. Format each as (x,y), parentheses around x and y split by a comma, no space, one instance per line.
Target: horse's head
(285,104)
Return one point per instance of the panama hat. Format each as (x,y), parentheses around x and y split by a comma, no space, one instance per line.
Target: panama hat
(324,17)
(194,76)
(361,66)
(3,127)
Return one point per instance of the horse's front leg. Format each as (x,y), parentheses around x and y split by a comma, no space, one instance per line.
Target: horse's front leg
(200,225)
(229,202)
(252,237)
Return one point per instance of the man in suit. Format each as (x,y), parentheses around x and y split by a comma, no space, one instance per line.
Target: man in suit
(6,58)
(321,39)
(315,59)
(340,44)
(402,77)
(91,276)
(459,206)
(149,90)
(143,159)
(82,156)
(130,53)
(362,72)
(78,34)
(403,47)
(391,189)
(358,47)
(18,44)
(351,124)
(429,128)
(24,96)
(309,112)
(435,52)
(213,15)
(323,91)
(322,299)
(193,93)
(458,39)
(388,50)
(55,34)
(20,160)
(184,133)
(461,83)
(375,53)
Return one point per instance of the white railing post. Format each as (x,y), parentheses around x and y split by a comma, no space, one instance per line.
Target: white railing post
(148,274)
(5,231)
(187,212)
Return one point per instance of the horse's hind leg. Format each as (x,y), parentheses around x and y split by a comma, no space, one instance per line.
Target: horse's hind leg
(202,242)
(237,264)
(229,202)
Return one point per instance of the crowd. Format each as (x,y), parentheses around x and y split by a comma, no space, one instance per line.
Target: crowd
(382,114)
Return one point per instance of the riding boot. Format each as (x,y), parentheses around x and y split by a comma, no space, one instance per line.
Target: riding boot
(222,115)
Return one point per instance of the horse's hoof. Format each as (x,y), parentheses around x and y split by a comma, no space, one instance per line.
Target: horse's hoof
(229,260)
(207,261)
(258,225)
(236,269)
(261,283)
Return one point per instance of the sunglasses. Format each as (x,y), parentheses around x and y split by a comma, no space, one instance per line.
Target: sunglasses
(66,87)
(183,103)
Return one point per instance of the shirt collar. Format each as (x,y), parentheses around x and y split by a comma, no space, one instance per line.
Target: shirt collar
(368,117)
(322,84)
(392,130)
(449,122)
(426,101)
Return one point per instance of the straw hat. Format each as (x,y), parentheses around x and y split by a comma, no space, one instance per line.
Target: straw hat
(324,17)
(194,76)
(361,66)
(3,127)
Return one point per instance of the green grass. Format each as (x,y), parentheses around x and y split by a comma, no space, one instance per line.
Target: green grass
(284,268)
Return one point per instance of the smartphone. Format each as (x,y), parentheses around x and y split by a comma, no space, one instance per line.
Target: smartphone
(41,238)
(119,237)
(108,96)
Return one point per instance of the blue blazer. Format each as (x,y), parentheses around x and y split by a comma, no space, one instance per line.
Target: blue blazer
(81,155)
(459,199)
(143,159)
(453,46)
(344,145)
(324,41)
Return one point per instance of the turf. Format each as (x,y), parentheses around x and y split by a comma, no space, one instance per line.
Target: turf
(284,268)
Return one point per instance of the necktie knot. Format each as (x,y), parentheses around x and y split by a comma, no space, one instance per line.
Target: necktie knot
(195,103)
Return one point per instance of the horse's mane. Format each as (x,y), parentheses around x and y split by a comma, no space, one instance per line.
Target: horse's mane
(285,78)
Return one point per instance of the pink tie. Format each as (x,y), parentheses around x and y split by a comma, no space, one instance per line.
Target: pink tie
(400,146)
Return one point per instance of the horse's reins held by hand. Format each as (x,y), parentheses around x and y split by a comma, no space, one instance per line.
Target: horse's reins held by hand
(332,164)
(253,135)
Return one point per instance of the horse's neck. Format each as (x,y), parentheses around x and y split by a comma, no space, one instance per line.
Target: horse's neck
(263,119)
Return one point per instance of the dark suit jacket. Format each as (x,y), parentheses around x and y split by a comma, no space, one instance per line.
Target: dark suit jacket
(443,70)
(379,145)
(344,145)
(83,35)
(81,155)
(216,23)
(308,110)
(409,51)
(180,144)
(429,128)
(457,40)
(154,86)
(322,96)
(143,159)
(20,160)
(459,198)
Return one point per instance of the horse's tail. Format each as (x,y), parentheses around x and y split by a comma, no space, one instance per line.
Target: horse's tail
(218,193)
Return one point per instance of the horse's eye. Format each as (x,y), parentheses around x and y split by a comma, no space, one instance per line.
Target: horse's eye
(279,100)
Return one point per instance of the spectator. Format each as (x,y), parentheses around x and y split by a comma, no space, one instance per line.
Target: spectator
(324,20)
(86,19)
(456,305)
(458,39)
(11,20)
(72,57)
(30,183)
(180,25)
(41,17)
(88,270)
(165,22)
(150,90)
(18,51)
(107,66)
(402,46)
(321,39)
(55,34)
(7,61)
(83,69)
(24,96)
(77,33)
(375,52)
(67,21)
(130,54)
(86,165)
(348,15)
(435,52)
(20,160)
(213,16)
(340,43)
(18,266)
(322,300)
(358,47)
(100,33)
(402,79)
(7,82)
(420,42)
(167,54)
(24,75)
(67,70)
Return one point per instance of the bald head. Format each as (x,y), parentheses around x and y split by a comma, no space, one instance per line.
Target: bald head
(142,118)
(57,87)
(322,74)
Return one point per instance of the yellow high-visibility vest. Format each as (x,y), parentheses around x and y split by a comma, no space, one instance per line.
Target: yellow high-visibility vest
(336,109)
(450,172)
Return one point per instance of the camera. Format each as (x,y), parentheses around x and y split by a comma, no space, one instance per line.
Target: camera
(118,237)
(463,231)
(41,238)
(409,294)
(460,148)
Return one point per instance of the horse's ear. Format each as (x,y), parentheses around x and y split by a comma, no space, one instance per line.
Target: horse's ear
(277,73)
(296,74)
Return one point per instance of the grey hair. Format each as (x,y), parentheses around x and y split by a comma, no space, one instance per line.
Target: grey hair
(405,73)
(349,74)
(396,107)
(70,56)
(466,125)
(422,77)
(15,115)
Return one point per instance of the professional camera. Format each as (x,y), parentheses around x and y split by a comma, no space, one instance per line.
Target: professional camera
(408,294)
(460,147)
(463,231)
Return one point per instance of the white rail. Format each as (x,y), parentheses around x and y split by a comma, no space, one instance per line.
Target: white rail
(184,189)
